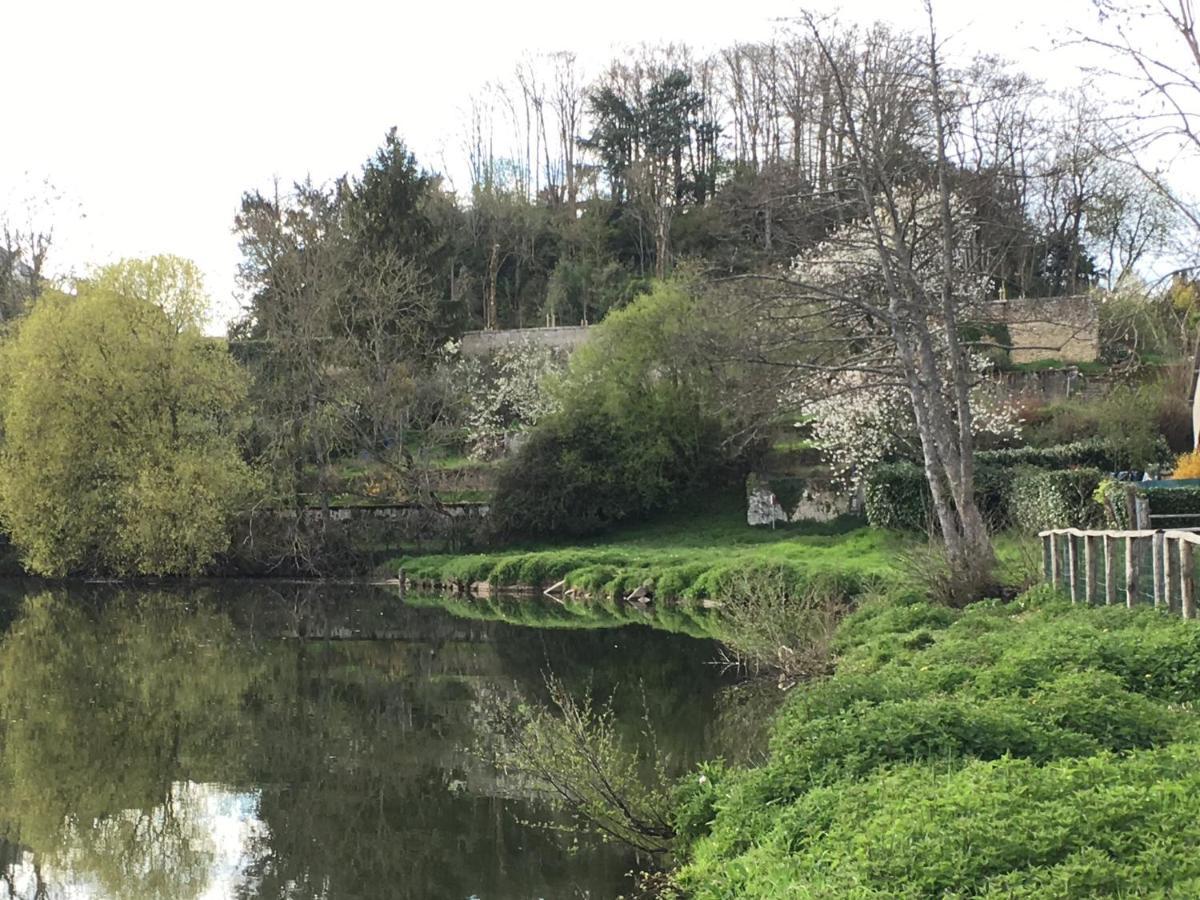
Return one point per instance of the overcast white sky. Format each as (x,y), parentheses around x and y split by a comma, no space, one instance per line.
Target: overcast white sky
(152,118)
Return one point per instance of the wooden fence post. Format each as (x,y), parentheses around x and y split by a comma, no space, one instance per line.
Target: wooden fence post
(1047,555)
(1141,516)
(1187,579)
(1089,570)
(1055,563)
(1072,568)
(1170,575)
(1131,572)
(1110,571)
(1156,559)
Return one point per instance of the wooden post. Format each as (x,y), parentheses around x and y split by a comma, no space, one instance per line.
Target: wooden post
(1141,517)
(1110,571)
(1089,570)
(1055,563)
(1047,555)
(1187,579)
(1131,572)
(1156,559)
(1072,568)
(1170,576)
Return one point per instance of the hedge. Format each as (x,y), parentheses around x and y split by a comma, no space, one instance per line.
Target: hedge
(1032,499)
(1172,501)
(897,496)
(1042,499)
(1098,453)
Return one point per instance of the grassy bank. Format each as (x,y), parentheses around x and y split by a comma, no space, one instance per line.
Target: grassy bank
(686,555)
(1032,749)
(538,612)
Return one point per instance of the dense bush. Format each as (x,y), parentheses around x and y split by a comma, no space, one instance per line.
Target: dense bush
(1007,750)
(1173,501)
(1044,499)
(644,418)
(584,470)
(897,495)
(1140,423)
(1187,465)
(1095,452)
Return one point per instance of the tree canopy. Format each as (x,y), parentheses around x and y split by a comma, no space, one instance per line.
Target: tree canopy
(121,425)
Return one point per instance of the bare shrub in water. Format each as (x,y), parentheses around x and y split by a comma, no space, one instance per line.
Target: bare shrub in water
(572,751)
(773,624)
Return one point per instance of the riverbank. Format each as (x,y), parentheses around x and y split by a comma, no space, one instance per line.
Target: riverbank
(1028,749)
(685,556)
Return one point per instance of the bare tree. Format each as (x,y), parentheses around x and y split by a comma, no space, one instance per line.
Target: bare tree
(893,288)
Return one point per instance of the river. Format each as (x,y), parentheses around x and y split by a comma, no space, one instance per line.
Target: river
(262,740)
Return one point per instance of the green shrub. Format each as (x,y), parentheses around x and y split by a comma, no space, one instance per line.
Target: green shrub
(643,422)
(1106,825)
(1030,749)
(897,497)
(1173,501)
(1044,499)
(1138,423)
(1098,452)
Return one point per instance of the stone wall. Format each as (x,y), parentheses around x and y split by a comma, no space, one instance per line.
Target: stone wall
(1052,385)
(1062,328)
(565,338)
(814,498)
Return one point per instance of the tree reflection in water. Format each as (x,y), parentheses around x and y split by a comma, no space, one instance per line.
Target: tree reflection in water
(298,742)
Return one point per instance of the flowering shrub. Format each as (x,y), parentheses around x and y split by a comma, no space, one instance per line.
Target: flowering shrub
(1187,465)
(859,424)
(505,392)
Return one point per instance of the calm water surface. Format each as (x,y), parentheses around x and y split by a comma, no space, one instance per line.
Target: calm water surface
(297,741)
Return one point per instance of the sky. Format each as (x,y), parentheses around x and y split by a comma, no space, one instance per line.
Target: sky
(150,119)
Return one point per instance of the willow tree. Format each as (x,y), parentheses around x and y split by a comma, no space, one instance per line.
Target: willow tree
(121,426)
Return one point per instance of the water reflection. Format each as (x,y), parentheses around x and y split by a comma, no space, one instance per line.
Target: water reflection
(294,741)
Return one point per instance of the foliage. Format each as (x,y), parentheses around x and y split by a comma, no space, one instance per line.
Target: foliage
(1131,419)
(130,465)
(927,568)
(1111,495)
(999,746)
(505,392)
(1043,499)
(1181,501)
(573,751)
(768,624)
(339,324)
(897,497)
(1187,465)
(1108,452)
(645,417)
(1136,326)
(897,494)
(861,424)
(170,282)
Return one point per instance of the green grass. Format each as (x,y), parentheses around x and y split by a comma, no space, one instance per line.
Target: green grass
(1034,749)
(687,555)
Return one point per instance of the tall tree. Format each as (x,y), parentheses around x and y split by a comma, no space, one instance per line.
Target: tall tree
(132,464)
(892,290)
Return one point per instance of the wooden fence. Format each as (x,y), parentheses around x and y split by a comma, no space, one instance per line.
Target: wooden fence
(1129,567)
